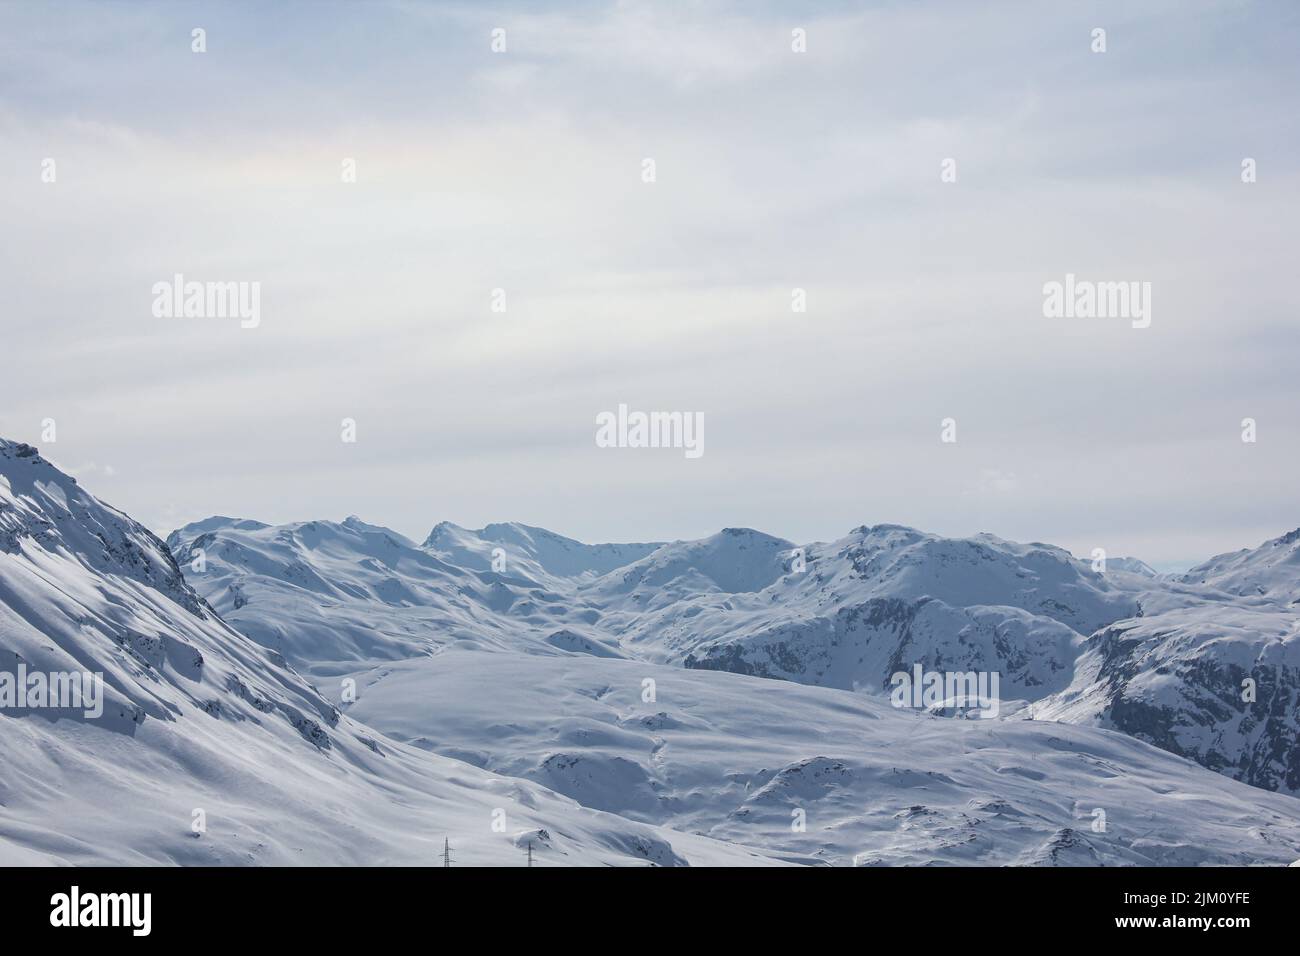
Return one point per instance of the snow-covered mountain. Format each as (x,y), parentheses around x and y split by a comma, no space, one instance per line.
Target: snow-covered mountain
(847,614)
(330,595)
(1215,682)
(1271,571)
(884,598)
(614,703)
(202,724)
(1132,566)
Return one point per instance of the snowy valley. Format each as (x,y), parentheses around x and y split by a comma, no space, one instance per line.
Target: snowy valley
(331,693)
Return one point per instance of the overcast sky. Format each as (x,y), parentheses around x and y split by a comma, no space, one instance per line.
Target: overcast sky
(775,170)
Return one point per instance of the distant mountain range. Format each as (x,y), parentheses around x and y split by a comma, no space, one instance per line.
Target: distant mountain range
(722,701)
(1164,658)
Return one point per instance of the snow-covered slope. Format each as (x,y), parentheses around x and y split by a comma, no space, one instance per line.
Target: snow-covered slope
(733,561)
(846,614)
(1271,571)
(331,595)
(576,698)
(537,553)
(201,723)
(84,588)
(1216,682)
(1211,670)
(886,597)
(748,761)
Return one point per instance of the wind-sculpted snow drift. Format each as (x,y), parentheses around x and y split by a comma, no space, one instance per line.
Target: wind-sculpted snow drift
(615,703)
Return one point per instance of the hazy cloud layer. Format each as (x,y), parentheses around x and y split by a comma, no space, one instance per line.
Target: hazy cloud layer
(775,170)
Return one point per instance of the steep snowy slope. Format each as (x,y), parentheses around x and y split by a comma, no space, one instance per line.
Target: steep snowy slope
(82,587)
(1216,682)
(201,723)
(743,759)
(1211,671)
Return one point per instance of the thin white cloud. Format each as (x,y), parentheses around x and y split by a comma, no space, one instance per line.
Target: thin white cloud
(775,170)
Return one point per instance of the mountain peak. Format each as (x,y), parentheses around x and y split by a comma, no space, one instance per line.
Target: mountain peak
(1270,571)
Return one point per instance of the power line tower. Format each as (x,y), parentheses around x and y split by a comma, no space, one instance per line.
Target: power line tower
(446,852)
(530,853)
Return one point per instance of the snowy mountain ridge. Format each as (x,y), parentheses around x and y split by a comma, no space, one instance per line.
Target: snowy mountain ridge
(211,749)
(846,614)
(503,709)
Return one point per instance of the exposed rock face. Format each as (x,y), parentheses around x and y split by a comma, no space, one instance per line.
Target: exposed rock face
(1217,684)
